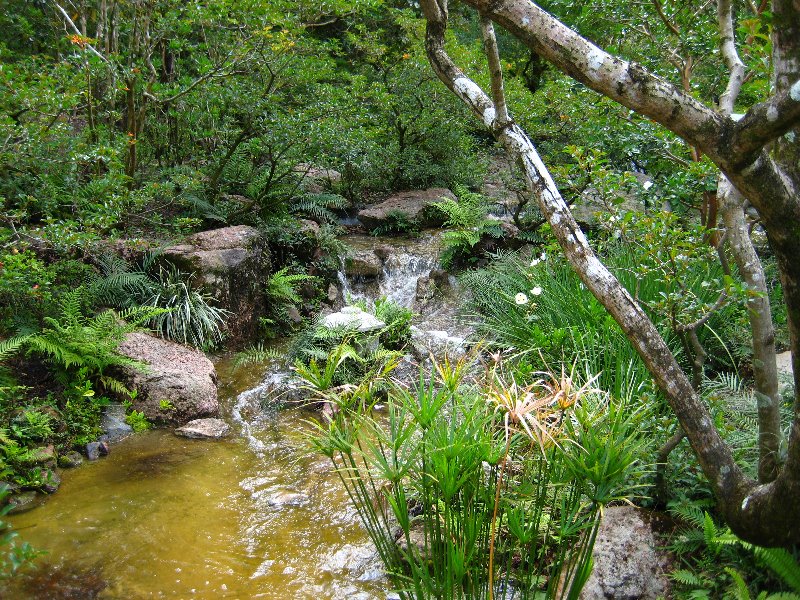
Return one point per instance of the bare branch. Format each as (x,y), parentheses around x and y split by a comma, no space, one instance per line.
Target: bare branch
(77,31)
(670,25)
(768,121)
(495,70)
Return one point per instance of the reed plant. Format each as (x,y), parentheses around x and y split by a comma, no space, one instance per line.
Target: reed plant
(481,488)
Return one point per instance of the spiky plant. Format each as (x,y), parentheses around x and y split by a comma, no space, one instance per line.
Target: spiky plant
(188,316)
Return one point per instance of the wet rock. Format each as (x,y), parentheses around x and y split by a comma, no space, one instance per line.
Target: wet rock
(70,460)
(358,562)
(23,501)
(210,429)
(113,423)
(93,450)
(309,227)
(383,252)
(103,448)
(415,206)
(353,317)
(363,263)
(627,565)
(334,295)
(284,498)
(317,180)
(44,456)
(183,376)
(294,314)
(231,263)
(414,544)
(438,343)
(52,481)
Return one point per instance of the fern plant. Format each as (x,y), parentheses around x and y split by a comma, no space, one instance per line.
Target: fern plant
(714,558)
(319,207)
(468,224)
(74,341)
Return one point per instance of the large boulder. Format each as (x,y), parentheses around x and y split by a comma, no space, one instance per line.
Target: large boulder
(627,564)
(363,263)
(182,377)
(232,263)
(414,206)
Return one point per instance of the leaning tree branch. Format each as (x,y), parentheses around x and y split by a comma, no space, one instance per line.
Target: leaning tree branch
(759,312)
(750,509)
(68,21)
(767,121)
(715,457)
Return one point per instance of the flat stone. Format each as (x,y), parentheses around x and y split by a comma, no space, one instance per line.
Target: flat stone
(363,263)
(23,501)
(353,317)
(413,205)
(627,565)
(206,429)
(70,460)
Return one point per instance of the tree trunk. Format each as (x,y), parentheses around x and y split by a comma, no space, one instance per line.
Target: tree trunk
(763,514)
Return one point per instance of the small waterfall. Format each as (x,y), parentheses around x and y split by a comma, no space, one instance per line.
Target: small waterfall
(401,272)
(404,263)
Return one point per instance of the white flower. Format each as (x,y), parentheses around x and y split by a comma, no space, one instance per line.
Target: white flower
(521,298)
(537,291)
(647,185)
(543,256)
(535,262)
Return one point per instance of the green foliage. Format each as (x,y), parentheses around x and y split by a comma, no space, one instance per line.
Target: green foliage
(255,355)
(480,502)
(396,222)
(719,563)
(177,310)
(74,342)
(137,420)
(397,333)
(467,223)
(185,314)
(14,556)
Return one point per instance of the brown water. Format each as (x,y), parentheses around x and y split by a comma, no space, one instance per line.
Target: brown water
(254,516)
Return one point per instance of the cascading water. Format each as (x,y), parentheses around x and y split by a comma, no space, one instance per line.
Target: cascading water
(404,262)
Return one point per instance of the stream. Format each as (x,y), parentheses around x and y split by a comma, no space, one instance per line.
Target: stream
(254,516)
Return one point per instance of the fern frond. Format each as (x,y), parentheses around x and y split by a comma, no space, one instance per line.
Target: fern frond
(783,563)
(255,355)
(738,589)
(687,578)
(10,346)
